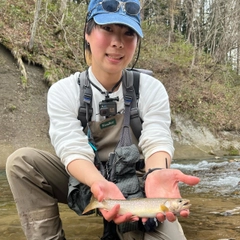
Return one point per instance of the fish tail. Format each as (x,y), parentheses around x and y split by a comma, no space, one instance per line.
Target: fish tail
(92,205)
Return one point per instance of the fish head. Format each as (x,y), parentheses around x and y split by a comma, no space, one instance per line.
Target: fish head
(177,205)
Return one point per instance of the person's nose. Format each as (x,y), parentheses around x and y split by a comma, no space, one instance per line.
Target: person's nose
(117,41)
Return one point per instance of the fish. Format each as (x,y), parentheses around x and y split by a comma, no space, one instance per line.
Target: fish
(141,207)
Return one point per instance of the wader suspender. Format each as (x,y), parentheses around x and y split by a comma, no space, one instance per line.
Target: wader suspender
(131,113)
(85,109)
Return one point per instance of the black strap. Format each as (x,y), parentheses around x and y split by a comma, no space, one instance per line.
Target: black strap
(136,76)
(130,81)
(85,110)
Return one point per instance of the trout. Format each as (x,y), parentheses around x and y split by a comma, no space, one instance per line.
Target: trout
(142,207)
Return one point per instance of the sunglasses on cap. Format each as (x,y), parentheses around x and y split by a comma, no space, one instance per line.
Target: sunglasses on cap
(131,8)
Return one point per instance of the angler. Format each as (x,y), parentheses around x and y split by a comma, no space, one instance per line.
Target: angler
(102,157)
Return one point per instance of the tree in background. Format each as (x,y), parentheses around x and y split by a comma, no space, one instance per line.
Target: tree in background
(38,4)
(211,26)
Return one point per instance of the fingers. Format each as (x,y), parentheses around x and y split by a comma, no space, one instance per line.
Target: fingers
(184,213)
(97,192)
(114,215)
(168,215)
(171,217)
(188,179)
(111,214)
(125,218)
(161,217)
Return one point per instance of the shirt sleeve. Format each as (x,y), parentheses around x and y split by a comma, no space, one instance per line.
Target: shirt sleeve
(154,109)
(66,132)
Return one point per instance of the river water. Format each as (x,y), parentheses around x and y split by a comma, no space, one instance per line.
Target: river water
(215,210)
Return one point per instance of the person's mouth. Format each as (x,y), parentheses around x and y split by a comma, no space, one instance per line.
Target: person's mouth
(114,57)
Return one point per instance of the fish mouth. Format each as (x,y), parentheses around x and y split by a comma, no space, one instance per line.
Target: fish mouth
(187,205)
(184,202)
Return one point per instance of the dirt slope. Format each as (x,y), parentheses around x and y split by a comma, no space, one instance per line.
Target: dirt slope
(24,120)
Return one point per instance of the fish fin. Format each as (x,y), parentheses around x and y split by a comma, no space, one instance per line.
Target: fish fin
(163,208)
(92,205)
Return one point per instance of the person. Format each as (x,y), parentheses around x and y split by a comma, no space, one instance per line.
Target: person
(39,179)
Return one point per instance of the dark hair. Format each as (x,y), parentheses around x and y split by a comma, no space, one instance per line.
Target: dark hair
(90,25)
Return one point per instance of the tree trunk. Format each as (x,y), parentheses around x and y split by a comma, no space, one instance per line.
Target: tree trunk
(35,23)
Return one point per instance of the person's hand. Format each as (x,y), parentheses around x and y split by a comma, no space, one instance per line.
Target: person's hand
(108,190)
(164,184)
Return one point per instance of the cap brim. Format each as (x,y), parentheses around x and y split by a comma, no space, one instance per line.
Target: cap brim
(108,18)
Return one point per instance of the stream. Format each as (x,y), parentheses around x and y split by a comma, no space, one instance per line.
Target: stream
(215,210)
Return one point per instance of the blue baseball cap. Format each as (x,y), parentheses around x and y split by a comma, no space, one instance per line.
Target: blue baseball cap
(116,12)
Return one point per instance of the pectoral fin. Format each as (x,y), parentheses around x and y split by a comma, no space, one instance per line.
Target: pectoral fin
(163,208)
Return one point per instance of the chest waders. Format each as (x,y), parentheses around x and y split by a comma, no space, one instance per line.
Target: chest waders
(122,160)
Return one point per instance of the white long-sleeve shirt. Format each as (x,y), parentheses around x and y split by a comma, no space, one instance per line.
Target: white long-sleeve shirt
(66,132)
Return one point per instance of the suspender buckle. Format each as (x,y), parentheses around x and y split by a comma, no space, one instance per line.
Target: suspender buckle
(134,113)
(127,100)
(87,98)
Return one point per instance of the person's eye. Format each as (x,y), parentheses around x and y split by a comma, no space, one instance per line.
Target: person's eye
(106,28)
(130,33)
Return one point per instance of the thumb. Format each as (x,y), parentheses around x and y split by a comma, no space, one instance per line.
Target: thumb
(97,192)
(188,179)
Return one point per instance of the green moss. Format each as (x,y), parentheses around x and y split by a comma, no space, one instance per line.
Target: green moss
(232,151)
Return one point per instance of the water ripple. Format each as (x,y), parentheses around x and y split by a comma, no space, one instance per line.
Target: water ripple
(218,177)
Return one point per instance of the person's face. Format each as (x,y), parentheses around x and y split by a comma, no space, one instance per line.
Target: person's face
(112,47)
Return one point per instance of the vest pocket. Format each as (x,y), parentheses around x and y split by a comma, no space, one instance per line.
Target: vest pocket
(121,169)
